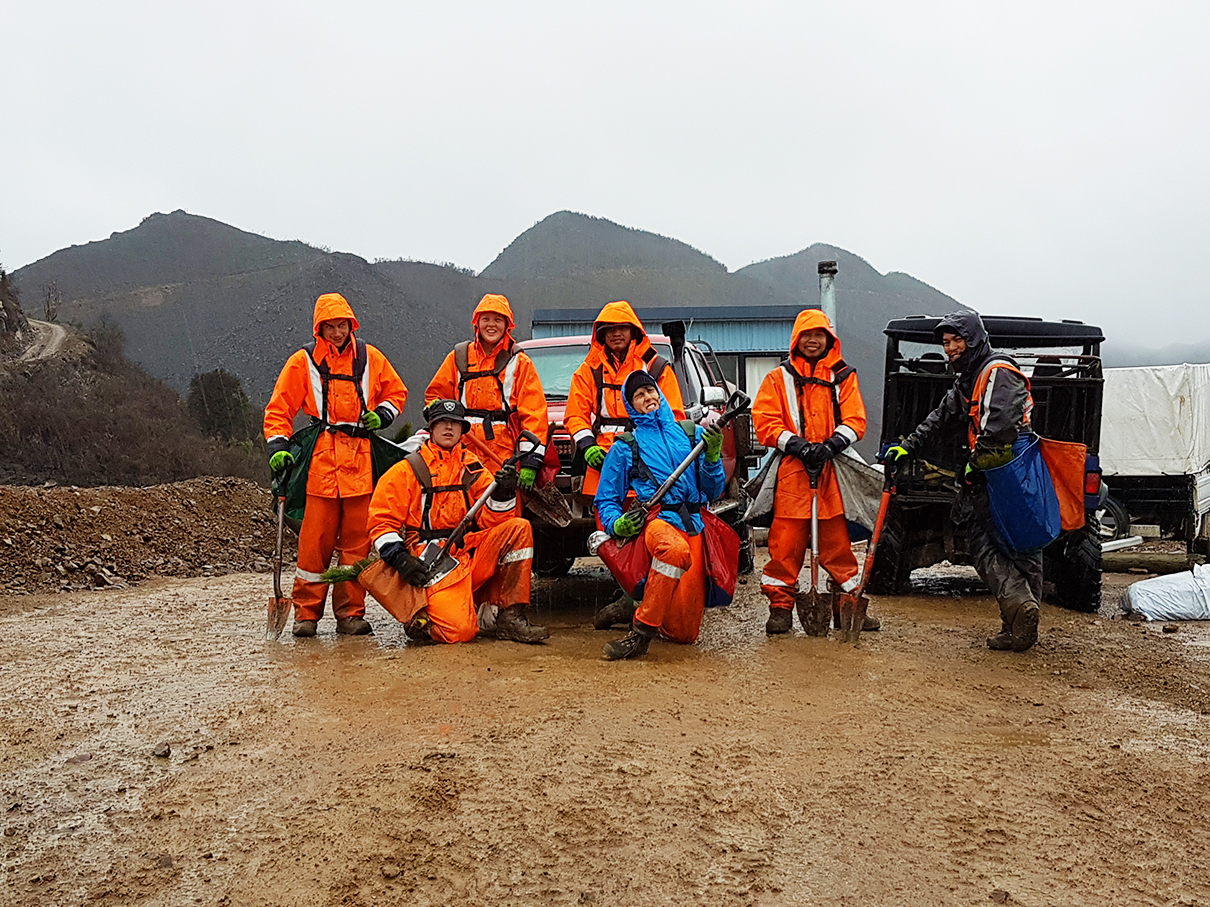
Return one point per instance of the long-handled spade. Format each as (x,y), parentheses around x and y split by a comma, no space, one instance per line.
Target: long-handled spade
(853,605)
(814,615)
(279,605)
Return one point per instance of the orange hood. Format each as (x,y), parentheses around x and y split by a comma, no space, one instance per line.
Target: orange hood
(332,307)
(497,304)
(815,320)
(619,312)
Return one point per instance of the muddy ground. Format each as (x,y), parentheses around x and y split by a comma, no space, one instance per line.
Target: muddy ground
(916,768)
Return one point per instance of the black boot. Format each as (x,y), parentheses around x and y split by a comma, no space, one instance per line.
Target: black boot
(1025,627)
(1002,641)
(511,623)
(305,628)
(780,620)
(619,611)
(632,645)
(417,629)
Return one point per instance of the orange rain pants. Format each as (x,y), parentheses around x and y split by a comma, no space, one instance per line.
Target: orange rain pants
(674,597)
(329,524)
(789,540)
(494,567)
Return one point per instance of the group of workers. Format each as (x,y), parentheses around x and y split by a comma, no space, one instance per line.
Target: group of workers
(487,438)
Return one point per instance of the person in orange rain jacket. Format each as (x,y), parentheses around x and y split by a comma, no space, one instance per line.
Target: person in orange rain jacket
(810,409)
(596,411)
(422,500)
(500,388)
(352,388)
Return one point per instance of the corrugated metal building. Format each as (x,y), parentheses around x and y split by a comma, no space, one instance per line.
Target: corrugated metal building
(747,340)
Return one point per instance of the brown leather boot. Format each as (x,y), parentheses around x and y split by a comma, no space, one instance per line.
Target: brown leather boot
(619,611)
(632,645)
(305,628)
(353,626)
(511,623)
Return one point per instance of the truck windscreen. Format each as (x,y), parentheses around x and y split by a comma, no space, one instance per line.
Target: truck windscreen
(556,365)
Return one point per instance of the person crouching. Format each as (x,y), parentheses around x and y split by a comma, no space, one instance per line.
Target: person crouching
(421,500)
(674,594)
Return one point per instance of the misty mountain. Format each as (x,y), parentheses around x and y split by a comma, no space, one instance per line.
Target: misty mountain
(192,294)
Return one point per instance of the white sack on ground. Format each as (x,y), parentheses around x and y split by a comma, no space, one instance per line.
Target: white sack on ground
(1179,596)
(1156,420)
(860,487)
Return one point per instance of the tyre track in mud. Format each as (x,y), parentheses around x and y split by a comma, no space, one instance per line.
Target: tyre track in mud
(916,768)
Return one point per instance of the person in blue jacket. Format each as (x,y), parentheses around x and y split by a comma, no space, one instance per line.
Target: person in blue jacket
(674,592)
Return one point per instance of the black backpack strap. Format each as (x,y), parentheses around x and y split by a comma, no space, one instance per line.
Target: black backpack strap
(360,358)
(638,469)
(462,363)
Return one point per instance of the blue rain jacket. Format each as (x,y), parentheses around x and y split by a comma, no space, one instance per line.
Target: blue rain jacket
(664,445)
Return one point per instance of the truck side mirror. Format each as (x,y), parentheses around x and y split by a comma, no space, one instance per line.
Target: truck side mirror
(713,396)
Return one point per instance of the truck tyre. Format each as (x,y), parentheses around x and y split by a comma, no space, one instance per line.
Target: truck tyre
(1073,565)
(891,574)
(1114,519)
(554,566)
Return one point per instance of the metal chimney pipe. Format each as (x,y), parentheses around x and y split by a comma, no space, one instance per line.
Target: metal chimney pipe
(827,291)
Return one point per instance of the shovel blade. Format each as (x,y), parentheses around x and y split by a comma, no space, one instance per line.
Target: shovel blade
(852,617)
(279,614)
(549,506)
(814,612)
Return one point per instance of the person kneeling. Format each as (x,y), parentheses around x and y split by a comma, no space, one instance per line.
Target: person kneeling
(422,500)
(673,596)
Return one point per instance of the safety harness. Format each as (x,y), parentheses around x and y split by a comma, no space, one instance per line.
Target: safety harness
(462,363)
(982,388)
(653,363)
(840,373)
(428,491)
(326,376)
(640,470)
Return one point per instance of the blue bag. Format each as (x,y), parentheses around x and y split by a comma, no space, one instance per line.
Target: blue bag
(1022,496)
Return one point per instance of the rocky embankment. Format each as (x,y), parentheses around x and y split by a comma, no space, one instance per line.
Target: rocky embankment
(56,538)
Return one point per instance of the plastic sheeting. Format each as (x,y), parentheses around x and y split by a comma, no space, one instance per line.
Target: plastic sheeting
(860,487)
(1180,596)
(1156,420)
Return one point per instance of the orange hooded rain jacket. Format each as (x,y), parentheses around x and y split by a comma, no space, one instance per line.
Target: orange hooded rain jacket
(596,412)
(340,466)
(802,400)
(496,399)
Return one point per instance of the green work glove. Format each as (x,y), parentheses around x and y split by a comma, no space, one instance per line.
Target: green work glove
(990,459)
(526,476)
(713,437)
(627,525)
(371,420)
(895,454)
(281,461)
(595,456)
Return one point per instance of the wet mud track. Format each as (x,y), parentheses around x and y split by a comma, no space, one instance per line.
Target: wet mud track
(916,768)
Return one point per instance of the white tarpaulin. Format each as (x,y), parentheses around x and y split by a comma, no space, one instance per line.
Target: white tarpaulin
(1156,420)
(1181,596)
(860,487)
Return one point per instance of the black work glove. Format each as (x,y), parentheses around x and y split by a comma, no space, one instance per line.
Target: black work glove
(799,447)
(409,567)
(824,452)
(506,483)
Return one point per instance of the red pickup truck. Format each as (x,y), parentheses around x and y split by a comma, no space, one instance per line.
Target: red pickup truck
(704,392)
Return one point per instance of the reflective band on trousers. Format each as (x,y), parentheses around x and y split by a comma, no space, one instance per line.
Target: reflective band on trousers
(521,554)
(667,569)
(767,580)
(307,575)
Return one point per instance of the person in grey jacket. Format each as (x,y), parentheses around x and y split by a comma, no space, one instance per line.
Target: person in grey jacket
(991,396)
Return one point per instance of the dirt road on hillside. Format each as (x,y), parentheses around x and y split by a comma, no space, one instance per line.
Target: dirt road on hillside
(49,340)
(918,768)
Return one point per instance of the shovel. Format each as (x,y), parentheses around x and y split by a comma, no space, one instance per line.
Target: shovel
(814,615)
(853,605)
(436,558)
(546,502)
(279,605)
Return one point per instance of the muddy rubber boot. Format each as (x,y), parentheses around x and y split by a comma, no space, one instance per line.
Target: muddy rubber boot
(633,645)
(871,623)
(418,628)
(511,623)
(1025,627)
(780,621)
(1002,641)
(305,628)
(619,611)
(353,626)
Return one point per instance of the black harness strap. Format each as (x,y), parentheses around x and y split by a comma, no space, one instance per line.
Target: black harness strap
(462,363)
(640,470)
(655,368)
(326,376)
(428,490)
(840,374)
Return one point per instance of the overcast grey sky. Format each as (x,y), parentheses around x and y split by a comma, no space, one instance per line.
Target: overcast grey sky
(1036,158)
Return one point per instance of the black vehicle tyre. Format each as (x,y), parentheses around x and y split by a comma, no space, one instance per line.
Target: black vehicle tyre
(554,566)
(1073,564)
(891,574)
(1114,519)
